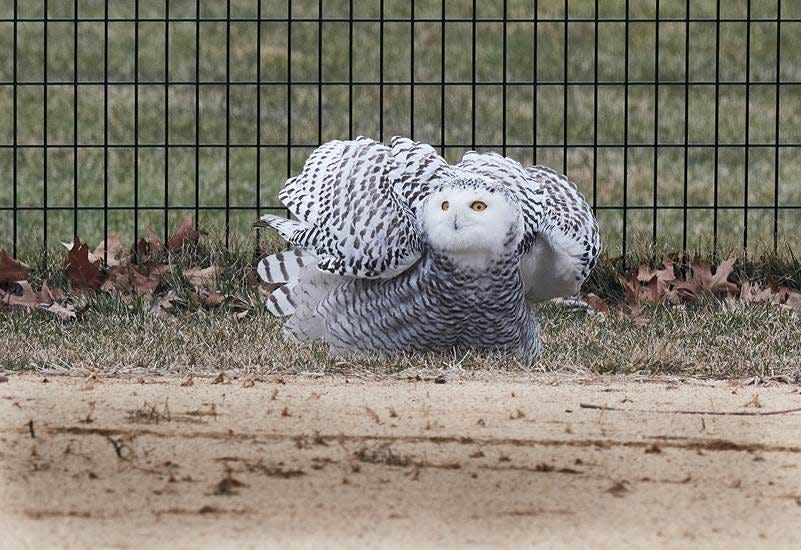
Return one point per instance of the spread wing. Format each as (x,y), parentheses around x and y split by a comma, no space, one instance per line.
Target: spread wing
(561,240)
(355,204)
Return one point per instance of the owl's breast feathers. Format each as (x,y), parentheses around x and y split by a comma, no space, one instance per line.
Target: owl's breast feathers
(434,306)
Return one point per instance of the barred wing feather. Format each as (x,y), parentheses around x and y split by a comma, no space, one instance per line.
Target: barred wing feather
(355,203)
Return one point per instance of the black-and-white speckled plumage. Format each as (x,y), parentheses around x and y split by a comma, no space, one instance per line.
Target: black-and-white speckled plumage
(365,277)
(561,243)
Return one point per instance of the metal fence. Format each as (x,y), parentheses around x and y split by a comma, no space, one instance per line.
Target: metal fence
(679,120)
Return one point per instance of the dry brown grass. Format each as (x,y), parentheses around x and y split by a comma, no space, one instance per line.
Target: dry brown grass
(707,340)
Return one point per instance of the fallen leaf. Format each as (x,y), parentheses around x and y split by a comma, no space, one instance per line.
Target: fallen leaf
(654,285)
(749,293)
(70,246)
(149,248)
(12,270)
(684,291)
(144,284)
(64,313)
(597,303)
(27,298)
(166,301)
(202,277)
(208,297)
(152,238)
(184,233)
(84,274)
(645,273)
(46,296)
(666,274)
(793,301)
(142,280)
(652,291)
(631,294)
(110,250)
(717,282)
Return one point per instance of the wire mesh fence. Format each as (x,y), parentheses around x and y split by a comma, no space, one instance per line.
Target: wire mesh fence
(680,120)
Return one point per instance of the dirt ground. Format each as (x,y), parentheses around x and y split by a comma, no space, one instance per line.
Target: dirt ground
(300,462)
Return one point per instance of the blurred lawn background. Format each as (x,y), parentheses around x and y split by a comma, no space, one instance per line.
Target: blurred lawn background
(532,114)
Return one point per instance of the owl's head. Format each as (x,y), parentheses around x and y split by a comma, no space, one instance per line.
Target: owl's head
(472,221)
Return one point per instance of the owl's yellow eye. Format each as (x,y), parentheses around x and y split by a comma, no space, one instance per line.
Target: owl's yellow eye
(445,205)
(478,206)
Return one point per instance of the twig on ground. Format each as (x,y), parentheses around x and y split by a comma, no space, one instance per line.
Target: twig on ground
(715,413)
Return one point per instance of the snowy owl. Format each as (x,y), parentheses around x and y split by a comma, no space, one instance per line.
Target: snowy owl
(395,250)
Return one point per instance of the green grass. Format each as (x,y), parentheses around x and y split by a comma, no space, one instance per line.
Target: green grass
(521,128)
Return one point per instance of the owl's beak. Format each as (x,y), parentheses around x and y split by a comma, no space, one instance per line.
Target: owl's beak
(457,221)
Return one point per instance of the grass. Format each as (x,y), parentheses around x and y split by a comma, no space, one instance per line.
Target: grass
(699,341)
(524,123)
(120,334)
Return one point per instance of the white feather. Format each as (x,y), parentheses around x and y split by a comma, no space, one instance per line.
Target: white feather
(284,266)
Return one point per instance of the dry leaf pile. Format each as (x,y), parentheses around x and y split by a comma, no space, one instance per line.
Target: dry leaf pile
(139,271)
(669,284)
(142,272)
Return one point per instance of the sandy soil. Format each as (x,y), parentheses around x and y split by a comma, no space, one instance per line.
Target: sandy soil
(336,462)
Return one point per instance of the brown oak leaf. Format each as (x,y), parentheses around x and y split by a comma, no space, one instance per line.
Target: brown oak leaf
(754,294)
(111,248)
(208,297)
(26,299)
(149,248)
(631,294)
(205,277)
(717,282)
(651,291)
(645,273)
(142,280)
(793,301)
(83,273)
(666,274)
(597,303)
(47,296)
(184,233)
(166,301)
(62,312)
(12,270)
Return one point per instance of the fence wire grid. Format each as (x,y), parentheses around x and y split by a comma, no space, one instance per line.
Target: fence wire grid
(679,120)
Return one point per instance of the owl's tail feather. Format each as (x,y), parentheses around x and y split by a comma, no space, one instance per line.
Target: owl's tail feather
(304,285)
(288,229)
(281,302)
(284,267)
